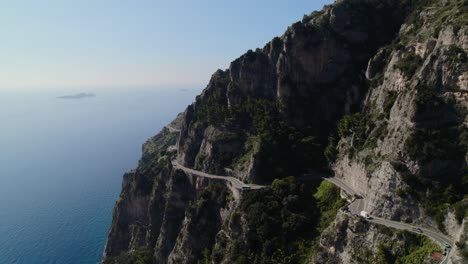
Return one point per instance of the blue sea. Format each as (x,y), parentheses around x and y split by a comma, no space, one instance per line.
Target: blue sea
(61,166)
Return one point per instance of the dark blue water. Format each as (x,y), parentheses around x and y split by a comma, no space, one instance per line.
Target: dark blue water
(61,165)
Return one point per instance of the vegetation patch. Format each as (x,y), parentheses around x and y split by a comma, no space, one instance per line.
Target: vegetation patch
(461,210)
(456,54)
(199,159)
(418,250)
(408,64)
(251,146)
(328,202)
(284,221)
(454,12)
(139,256)
(330,150)
(389,102)
(448,185)
(350,124)
(214,110)
(377,80)
(226,136)
(206,257)
(427,144)
(440,151)
(282,149)
(427,99)
(415,249)
(363,129)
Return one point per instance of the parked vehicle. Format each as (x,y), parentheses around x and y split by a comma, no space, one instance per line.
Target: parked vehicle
(365,215)
(245,187)
(447,245)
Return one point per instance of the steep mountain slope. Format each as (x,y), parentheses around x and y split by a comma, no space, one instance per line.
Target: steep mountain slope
(372,91)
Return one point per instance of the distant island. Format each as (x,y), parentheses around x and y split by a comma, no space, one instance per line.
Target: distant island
(342,141)
(77,96)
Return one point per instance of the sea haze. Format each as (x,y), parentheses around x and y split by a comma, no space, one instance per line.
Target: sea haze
(61,166)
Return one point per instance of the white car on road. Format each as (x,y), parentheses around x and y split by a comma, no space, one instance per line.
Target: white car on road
(365,214)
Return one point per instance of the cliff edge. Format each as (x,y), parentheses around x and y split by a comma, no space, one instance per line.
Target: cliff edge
(371,94)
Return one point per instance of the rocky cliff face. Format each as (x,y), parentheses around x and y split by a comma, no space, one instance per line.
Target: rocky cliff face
(419,89)
(312,75)
(373,90)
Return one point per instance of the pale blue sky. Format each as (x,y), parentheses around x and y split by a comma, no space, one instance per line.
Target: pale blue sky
(108,43)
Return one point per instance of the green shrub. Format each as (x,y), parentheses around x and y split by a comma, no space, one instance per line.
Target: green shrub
(141,255)
(277,219)
(365,131)
(212,107)
(329,202)
(461,210)
(428,144)
(285,221)
(377,80)
(409,64)
(454,12)
(320,18)
(379,131)
(283,149)
(384,254)
(456,54)
(206,257)
(407,175)
(389,102)
(448,185)
(400,192)
(226,136)
(420,249)
(427,99)
(350,124)
(330,151)
(410,249)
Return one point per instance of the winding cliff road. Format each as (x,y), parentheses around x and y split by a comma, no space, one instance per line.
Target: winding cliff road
(172,129)
(236,183)
(355,207)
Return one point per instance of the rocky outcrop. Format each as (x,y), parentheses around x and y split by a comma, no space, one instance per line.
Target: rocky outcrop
(413,151)
(394,107)
(313,73)
(353,240)
(379,86)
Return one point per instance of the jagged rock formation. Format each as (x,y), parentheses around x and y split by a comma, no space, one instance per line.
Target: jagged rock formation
(375,90)
(313,74)
(407,152)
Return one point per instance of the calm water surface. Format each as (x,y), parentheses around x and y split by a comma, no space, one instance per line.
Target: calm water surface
(61,165)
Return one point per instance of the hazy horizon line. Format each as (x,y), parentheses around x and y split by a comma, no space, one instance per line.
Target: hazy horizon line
(71,88)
